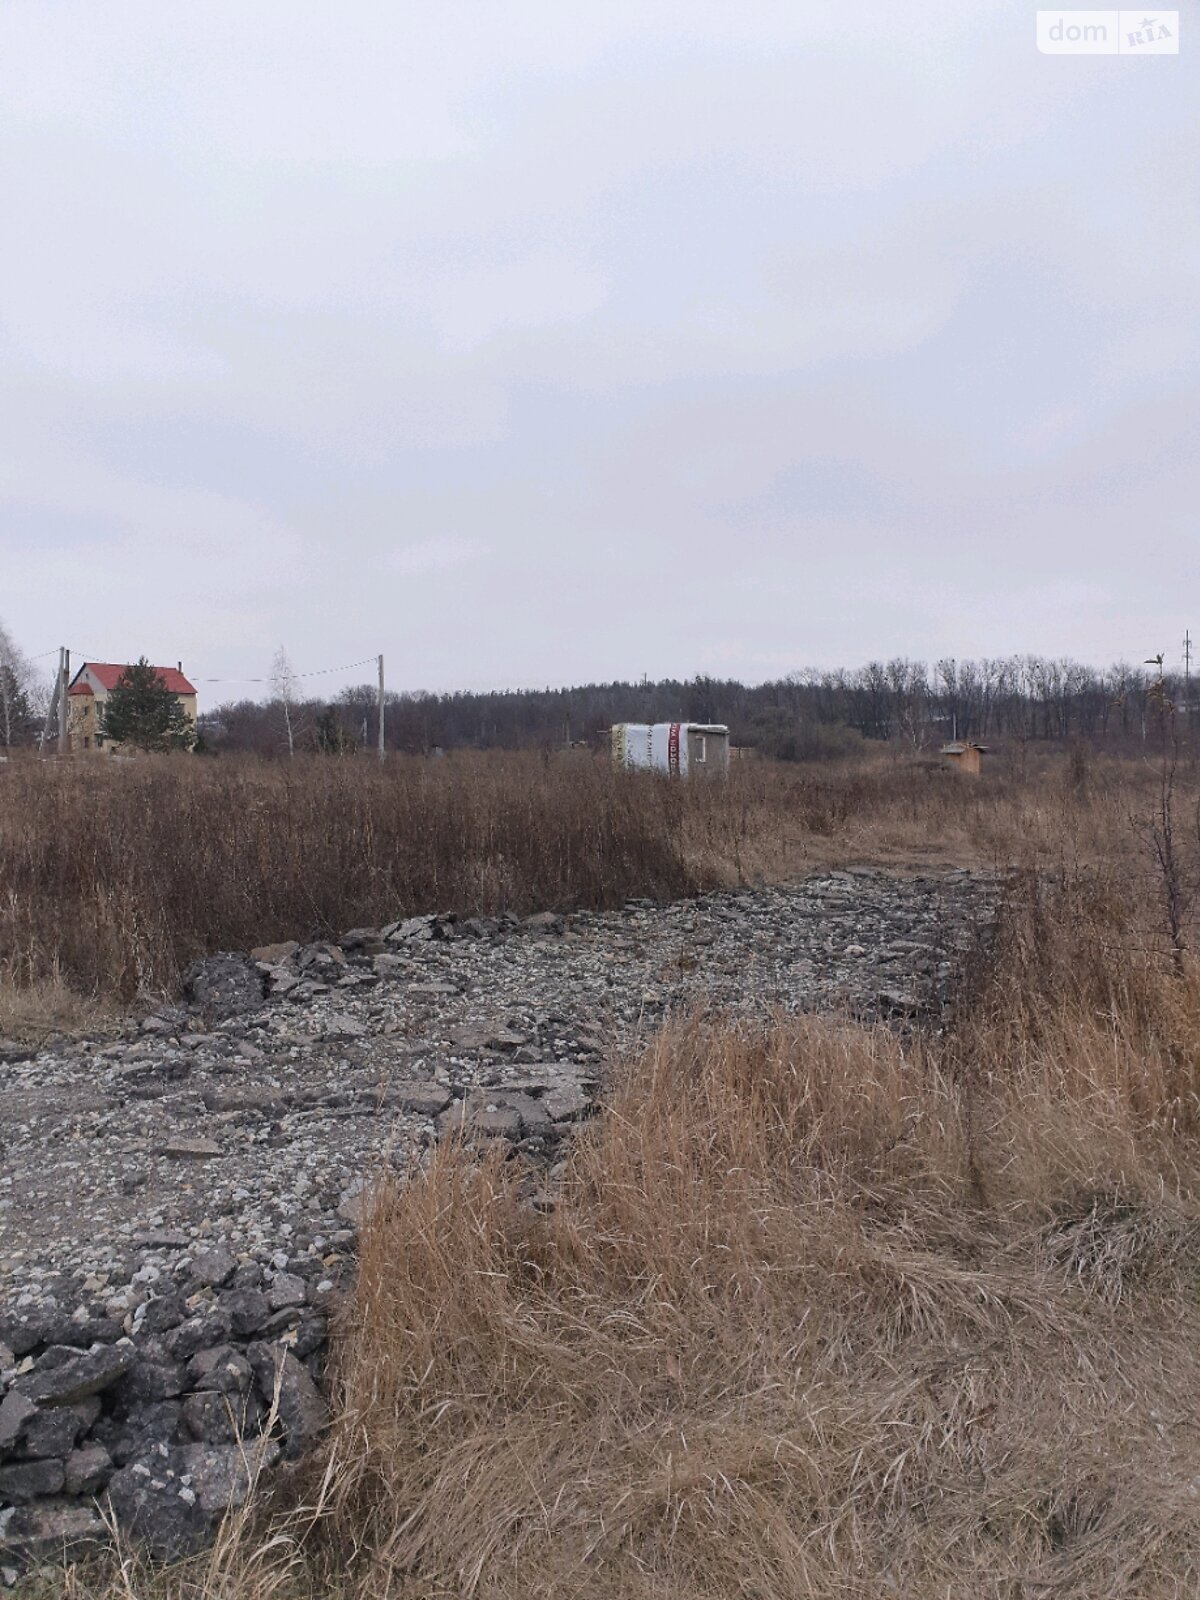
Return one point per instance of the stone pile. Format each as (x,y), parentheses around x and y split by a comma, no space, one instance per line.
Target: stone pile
(170,1399)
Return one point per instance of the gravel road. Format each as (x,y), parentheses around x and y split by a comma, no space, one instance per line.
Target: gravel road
(256,1131)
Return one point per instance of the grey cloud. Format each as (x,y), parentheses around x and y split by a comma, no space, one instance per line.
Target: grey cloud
(502,338)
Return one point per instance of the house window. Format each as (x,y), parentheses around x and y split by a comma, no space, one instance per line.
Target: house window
(99,742)
(701,747)
(87,743)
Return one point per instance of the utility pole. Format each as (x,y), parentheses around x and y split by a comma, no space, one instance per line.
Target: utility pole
(64,668)
(381,749)
(52,708)
(1187,669)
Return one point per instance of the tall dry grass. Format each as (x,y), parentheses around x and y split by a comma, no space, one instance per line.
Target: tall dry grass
(114,876)
(815,1313)
(812,1316)
(117,875)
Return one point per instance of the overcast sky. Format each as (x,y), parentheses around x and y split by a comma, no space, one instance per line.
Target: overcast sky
(545,342)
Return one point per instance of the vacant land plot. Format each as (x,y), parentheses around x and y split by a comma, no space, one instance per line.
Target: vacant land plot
(813,1306)
(813,1312)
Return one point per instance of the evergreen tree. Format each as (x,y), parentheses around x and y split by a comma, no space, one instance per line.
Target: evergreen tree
(330,737)
(16,713)
(141,711)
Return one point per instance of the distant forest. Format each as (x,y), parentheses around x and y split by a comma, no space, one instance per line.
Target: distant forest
(803,716)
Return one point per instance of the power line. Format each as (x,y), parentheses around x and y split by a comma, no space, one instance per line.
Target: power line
(316,672)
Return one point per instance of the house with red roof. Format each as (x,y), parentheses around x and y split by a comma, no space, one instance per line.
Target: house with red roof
(90,688)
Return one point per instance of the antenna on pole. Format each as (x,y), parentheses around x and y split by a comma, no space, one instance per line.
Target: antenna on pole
(1187,668)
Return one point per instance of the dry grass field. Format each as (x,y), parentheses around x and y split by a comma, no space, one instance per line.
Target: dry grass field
(114,876)
(816,1311)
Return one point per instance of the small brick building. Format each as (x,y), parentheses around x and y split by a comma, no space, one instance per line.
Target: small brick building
(964,756)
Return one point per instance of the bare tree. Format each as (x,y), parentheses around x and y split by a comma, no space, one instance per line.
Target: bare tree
(18,691)
(909,689)
(283,688)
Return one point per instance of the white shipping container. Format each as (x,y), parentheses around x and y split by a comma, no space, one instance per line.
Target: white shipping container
(678,749)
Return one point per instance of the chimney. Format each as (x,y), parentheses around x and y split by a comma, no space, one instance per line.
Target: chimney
(179,668)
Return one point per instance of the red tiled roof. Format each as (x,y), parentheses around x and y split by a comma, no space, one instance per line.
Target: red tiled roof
(81,688)
(109,674)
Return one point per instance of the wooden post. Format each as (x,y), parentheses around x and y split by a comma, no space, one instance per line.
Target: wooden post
(381,747)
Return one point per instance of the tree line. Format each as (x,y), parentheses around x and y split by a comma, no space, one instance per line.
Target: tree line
(804,715)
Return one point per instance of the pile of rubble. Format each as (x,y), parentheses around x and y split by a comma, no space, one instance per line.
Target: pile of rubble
(172,1407)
